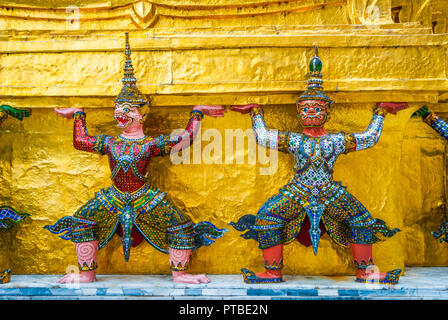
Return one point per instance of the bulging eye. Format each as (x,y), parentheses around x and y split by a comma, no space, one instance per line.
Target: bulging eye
(318,109)
(305,110)
(126,110)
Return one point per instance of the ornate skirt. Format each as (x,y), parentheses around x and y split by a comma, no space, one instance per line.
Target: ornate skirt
(10,217)
(148,210)
(283,218)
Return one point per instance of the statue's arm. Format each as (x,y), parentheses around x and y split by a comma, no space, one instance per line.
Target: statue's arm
(19,114)
(3,115)
(81,138)
(431,119)
(368,138)
(269,138)
(164,144)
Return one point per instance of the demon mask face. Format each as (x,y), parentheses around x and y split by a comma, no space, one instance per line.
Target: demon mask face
(127,115)
(312,113)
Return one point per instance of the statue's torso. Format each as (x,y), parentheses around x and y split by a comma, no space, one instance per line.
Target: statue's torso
(315,157)
(128,161)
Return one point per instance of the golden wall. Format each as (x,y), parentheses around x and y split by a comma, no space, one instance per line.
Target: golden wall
(222,52)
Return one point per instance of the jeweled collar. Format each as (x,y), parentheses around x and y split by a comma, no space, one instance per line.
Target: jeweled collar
(130,139)
(325,136)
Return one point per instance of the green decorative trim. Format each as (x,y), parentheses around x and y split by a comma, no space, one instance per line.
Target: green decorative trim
(179,266)
(5,276)
(86,267)
(256,111)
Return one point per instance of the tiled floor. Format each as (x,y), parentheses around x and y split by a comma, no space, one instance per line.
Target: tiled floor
(417,283)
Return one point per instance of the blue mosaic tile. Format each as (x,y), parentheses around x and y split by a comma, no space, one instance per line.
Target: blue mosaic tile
(132,292)
(197,298)
(114,292)
(158,298)
(383,292)
(65,292)
(101,291)
(223,292)
(55,298)
(89,291)
(384,298)
(164,292)
(266,292)
(347,298)
(411,292)
(193,292)
(348,292)
(429,293)
(35,291)
(10,292)
(301,292)
(102,298)
(93,298)
(320,298)
(17,298)
(246,298)
(148,292)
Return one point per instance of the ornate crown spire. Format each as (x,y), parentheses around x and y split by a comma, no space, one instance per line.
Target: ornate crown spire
(315,90)
(130,93)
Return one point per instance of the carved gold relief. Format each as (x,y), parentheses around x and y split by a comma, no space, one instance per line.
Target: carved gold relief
(144,13)
(414,11)
(370,12)
(429,13)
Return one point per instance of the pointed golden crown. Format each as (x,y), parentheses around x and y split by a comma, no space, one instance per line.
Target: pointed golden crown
(130,93)
(315,90)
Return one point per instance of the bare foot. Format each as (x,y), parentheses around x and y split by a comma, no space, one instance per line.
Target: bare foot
(181,277)
(370,274)
(83,277)
(269,275)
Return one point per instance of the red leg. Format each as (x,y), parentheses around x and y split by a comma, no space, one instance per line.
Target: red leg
(273,262)
(367,271)
(363,260)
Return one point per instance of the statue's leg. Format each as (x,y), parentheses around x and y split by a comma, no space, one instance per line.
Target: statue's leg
(277,222)
(179,260)
(8,218)
(181,239)
(349,223)
(367,272)
(87,262)
(273,262)
(91,226)
(363,260)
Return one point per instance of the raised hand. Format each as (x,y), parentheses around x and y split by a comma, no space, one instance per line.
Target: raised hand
(244,109)
(393,107)
(212,111)
(422,112)
(67,112)
(19,114)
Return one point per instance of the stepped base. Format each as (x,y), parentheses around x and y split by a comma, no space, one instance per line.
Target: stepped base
(422,283)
